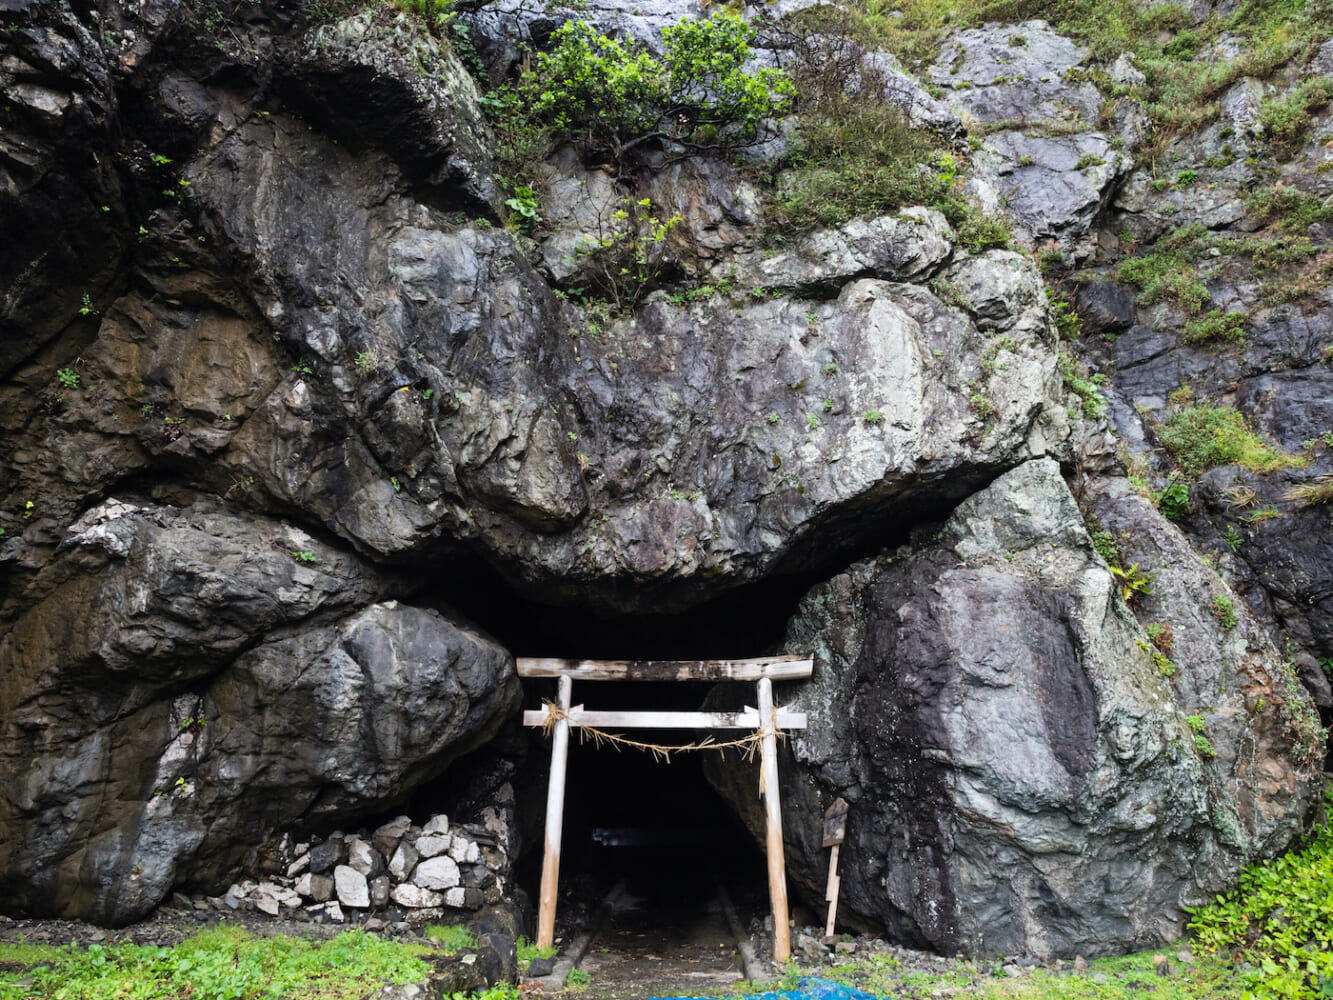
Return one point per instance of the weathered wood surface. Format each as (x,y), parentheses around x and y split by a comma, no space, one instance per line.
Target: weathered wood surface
(555,818)
(779,668)
(777,869)
(831,891)
(629,719)
(835,823)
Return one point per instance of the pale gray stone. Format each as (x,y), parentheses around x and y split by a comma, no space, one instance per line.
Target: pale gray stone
(351,887)
(436,873)
(415,897)
(430,846)
(403,861)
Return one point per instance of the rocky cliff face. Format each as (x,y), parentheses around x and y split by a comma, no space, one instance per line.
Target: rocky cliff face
(277,377)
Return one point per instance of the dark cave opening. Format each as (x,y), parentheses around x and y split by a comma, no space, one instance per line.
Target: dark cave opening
(652,832)
(656,829)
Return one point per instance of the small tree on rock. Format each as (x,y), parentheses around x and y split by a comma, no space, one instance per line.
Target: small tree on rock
(613,97)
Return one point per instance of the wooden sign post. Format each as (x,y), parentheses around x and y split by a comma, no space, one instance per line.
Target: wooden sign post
(765,719)
(835,831)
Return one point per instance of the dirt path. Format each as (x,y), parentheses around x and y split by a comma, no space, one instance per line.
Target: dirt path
(665,936)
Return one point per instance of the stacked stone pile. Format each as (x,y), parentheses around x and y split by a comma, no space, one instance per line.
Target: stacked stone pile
(398,873)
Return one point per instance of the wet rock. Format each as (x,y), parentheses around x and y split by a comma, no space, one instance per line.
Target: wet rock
(324,856)
(221,582)
(1097,769)
(428,847)
(364,858)
(394,86)
(905,247)
(403,861)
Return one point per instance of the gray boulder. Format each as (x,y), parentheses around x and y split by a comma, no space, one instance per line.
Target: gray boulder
(1021,775)
(1020,74)
(1054,186)
(160,717)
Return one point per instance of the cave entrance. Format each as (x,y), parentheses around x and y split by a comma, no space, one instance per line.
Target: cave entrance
(762,722)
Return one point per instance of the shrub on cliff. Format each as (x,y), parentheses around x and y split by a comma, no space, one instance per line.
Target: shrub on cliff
(612,97)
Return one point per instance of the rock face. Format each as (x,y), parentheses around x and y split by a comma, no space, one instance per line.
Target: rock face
(280,384)
(1021,775)
(186,686)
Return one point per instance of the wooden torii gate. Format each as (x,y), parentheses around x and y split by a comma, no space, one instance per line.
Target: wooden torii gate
(765,719)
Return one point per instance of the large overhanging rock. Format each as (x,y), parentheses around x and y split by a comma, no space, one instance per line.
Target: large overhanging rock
(191,681)
(1021,775)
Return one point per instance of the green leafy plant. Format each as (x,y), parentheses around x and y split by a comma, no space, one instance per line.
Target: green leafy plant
(304,556)
(525,208)
(578,979)
(1217,325)
(628,257)
(365,361)
(1286,116)
(873,417)
(1202,745)
(1280,919)
(220,963)
(613,96)
(1200,437)
(1133,583)
(1174,500)
(527,952)
(302,368)
(1224,611)
(68,378)
(1233,538)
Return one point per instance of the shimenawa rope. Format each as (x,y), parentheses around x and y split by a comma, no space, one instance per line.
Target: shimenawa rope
(663,752)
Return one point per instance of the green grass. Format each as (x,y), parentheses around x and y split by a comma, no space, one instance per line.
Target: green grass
(1180,92)
(451,938)
(527,951)
(1168,274)
(1216,326)
(220,963)
(1286,116)
(1201,437)
(1132,976)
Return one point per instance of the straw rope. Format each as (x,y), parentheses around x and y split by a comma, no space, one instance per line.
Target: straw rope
(660,751)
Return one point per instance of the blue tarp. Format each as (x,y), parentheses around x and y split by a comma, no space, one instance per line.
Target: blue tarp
(807,988)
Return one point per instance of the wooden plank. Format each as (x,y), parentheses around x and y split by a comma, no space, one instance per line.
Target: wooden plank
(779,668)
(555,816)
(777,868)
(599,719)
(831,891)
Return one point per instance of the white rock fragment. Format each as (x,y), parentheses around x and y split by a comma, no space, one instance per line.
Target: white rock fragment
(414,897)
(403,861)
(361,856)
(430,846)
(436,873)
(351,886)
(436,824)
